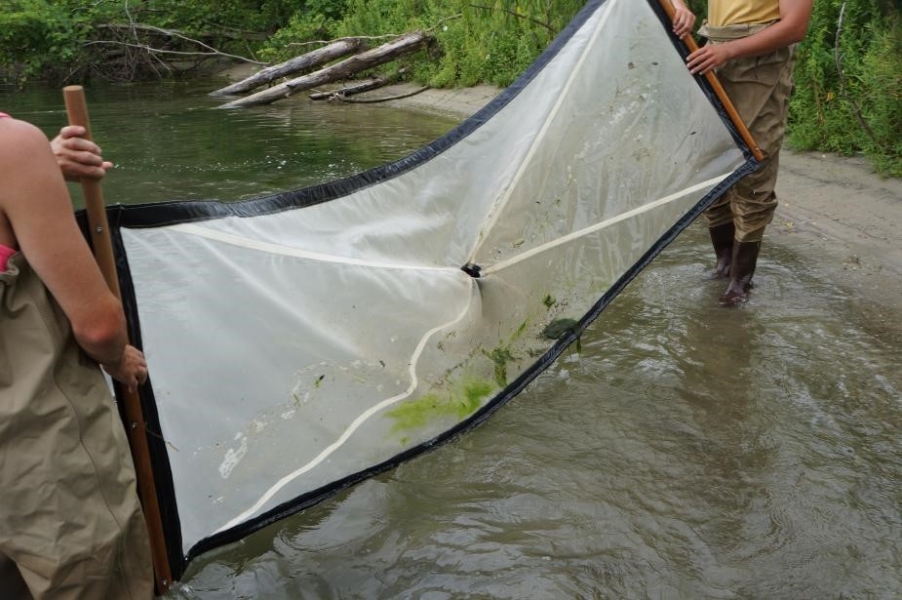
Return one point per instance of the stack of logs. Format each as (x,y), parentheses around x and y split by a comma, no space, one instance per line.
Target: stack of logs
(359,60)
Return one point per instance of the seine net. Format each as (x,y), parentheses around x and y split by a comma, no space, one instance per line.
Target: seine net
(300,342)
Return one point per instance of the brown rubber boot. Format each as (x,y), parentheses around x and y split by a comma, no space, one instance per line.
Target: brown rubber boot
(722,240)
(745,256)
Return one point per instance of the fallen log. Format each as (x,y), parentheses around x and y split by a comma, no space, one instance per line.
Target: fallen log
(304,62)
(372,84)
(383,99)
(405,44)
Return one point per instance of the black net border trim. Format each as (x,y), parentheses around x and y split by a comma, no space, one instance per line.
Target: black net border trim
(159,457)
(156,442)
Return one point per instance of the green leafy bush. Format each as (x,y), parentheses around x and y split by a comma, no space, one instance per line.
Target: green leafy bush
(881,99)
(37,37)
(849,81)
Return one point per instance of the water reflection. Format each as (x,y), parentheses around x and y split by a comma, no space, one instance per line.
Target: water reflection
(170,142)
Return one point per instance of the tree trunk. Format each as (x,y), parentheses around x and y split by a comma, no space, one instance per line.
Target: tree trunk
(299,63)
(404,44)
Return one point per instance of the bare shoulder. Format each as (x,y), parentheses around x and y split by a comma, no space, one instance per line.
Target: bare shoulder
(21,145)
(25,152)
(32,181)
(19,139)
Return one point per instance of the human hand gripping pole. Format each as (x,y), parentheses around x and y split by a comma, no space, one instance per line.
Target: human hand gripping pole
(687,39)
(102,245)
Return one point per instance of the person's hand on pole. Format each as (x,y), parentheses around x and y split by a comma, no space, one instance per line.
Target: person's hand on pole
(708,58)
(130,370)
(78,157)
(683,18)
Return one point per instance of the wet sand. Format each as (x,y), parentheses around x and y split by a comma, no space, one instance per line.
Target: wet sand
(844,220)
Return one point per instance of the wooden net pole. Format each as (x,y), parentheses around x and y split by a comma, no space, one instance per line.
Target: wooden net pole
(101,242)
(744,132)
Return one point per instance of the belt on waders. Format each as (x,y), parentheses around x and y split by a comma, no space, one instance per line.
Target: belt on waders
(725,33)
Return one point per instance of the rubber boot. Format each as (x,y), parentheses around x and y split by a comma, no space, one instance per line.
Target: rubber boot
(745,256)
(722,240)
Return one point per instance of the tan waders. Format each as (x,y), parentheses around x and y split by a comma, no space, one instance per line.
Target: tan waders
(759,87)
(70,522)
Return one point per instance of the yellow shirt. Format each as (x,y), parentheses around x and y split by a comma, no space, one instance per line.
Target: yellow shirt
(745,12)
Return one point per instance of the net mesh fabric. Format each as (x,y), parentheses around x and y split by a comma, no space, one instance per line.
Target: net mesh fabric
(294,344)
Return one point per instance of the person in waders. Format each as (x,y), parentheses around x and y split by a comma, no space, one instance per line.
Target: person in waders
(751,45)
(71,524)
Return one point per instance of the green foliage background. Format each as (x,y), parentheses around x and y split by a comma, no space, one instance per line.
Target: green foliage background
(849,82)
(849,78)
(483,41)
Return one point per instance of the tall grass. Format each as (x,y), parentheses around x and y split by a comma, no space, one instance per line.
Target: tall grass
(848,95)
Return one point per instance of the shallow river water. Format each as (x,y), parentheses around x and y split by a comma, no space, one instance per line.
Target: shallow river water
(686,451)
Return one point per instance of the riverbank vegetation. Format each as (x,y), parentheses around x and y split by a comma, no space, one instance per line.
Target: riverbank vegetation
(849,72)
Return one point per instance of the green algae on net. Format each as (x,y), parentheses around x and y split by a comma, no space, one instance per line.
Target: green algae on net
(456,403)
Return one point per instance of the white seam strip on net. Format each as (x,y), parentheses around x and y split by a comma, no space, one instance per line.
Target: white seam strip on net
(599,226)
(526,162)
(237,240)
(354,425)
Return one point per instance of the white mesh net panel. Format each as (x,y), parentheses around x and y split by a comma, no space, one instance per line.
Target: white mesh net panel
(292,349)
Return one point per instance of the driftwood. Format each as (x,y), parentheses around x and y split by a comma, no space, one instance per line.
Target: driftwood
(366,86)
(304,62)
(402,45)
(374,83)
(384,99)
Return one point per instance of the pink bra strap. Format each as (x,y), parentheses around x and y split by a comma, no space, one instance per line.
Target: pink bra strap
(5,251)
(5,254)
